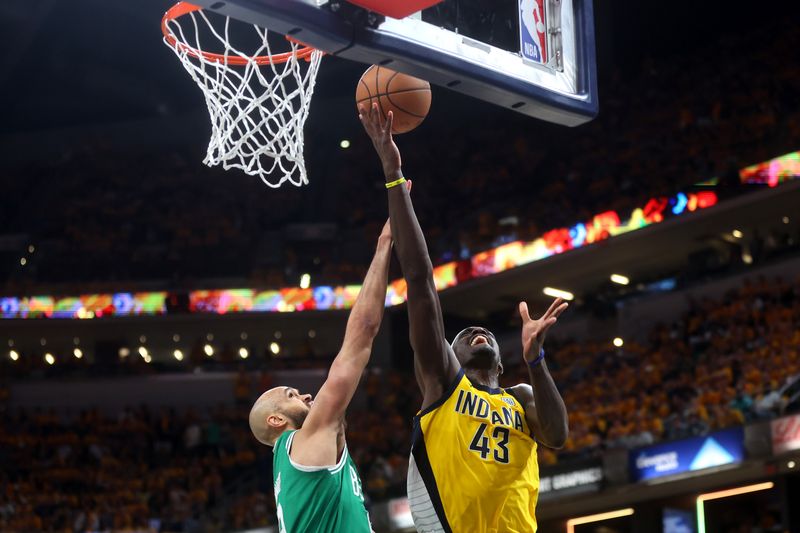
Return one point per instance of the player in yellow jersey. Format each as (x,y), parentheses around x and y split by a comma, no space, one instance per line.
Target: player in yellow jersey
(473,466)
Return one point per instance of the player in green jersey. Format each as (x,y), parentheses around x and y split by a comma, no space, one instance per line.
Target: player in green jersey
(317,487)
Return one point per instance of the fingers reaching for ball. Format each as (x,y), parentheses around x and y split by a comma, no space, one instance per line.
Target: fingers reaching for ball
(380,132)
(407,98)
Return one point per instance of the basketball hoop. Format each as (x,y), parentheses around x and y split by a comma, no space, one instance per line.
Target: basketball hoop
(258,103)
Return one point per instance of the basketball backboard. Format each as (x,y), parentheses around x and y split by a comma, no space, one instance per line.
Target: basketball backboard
(536,57)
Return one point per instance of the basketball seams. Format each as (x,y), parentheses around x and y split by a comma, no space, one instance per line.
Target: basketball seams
(384,79)
(366,88)
(401,108)
(390,92)
(421,89)
(378,90)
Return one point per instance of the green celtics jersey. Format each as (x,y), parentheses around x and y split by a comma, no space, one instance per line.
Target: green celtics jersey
(317,499)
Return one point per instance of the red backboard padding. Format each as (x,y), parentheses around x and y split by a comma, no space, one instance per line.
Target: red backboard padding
(393,8)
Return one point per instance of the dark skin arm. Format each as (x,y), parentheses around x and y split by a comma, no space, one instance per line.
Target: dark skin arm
(545,411)
(435,363)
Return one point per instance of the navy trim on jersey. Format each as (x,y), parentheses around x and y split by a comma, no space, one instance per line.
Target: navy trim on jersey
(426,472)
(484,388)
(449,392)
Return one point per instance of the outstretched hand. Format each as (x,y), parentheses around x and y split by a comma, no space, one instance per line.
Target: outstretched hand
(534,331)
(380,132)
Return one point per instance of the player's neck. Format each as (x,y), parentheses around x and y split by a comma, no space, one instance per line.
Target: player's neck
(483,376)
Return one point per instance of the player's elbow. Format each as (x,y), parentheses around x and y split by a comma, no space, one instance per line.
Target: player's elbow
(418,274)
(556,438)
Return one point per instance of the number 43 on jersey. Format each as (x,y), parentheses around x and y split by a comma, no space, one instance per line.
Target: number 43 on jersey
(498,451)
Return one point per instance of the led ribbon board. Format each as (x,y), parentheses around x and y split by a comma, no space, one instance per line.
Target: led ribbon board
(323,298)
(774,171)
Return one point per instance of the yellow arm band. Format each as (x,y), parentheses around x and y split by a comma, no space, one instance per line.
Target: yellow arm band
(395,183)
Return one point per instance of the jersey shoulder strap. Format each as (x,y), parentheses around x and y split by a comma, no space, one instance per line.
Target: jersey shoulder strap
(446,395)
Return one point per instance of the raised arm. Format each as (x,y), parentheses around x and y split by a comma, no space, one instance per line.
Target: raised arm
(326,414)
(434,361)
(545,411)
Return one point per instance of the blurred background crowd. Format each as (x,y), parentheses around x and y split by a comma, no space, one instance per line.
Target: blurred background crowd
(723,363)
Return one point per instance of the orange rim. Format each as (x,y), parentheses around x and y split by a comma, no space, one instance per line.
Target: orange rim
(184,8)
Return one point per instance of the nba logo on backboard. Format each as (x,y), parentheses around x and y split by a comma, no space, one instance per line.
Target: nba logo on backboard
(533,31)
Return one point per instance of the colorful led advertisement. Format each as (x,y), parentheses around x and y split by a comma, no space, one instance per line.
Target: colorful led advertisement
(288,300)
(774,171)
(85,306)
(717,449)
(555,241)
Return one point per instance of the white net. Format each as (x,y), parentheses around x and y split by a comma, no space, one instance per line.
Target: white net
(258,106)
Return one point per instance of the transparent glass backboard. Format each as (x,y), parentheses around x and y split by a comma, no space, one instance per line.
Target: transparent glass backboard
(535,57)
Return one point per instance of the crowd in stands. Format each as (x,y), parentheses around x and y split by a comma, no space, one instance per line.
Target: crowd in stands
(143,470)
(102,213)
(725,362)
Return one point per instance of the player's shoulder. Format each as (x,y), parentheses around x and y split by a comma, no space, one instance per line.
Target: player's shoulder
(523,392)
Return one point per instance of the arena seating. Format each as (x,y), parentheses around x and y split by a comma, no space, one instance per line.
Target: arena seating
(726,361)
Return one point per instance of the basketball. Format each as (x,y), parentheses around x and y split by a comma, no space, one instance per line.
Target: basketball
(407,97)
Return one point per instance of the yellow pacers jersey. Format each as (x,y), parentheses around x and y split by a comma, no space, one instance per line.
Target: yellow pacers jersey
(473,466)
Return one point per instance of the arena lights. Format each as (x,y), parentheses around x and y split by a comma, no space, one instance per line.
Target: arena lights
(243,335)
(590,519)
(312,334)
(243,353)
(124,352)
(618,342)
(619,279)
(147,358)
(701,515)
(275,348)
(305,281)
(176,338)
(14,355)
(790,464)
(737,234)
(23,261)
(48,357)
(558,293)
(209,350)
(177,354)
(142,351)
(344,144)
(785,220)
(78,353)
(31,249)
